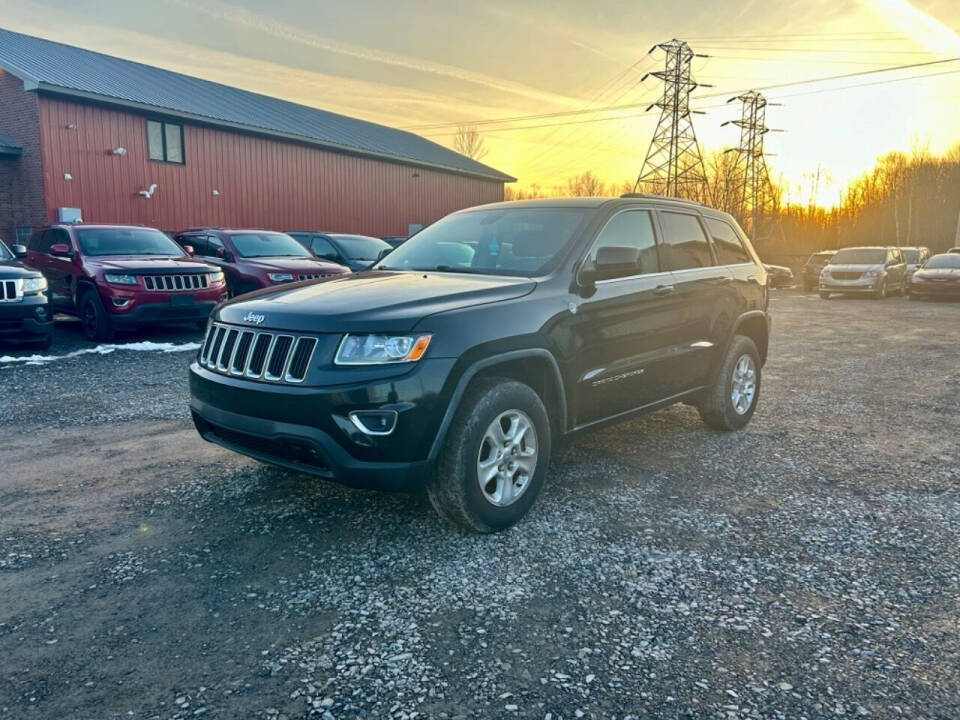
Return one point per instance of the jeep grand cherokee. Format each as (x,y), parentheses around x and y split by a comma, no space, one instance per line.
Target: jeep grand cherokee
(464,356)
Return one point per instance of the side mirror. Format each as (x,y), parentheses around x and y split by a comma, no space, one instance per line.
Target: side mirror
(60,250)
(612,262)
(188,249)
(19,251)
(225,255)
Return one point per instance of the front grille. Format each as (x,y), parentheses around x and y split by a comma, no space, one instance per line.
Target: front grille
(11,290)
(176,283)
(257,354)
(846,275)
(312,276)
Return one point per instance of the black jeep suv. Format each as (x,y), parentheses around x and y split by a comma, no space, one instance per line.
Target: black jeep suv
(461,359)
(25,315)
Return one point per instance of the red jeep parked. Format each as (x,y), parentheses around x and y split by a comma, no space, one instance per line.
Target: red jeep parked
(255,259)
(120,277)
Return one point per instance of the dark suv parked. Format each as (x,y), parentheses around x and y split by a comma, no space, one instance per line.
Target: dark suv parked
(25,315)
(465,356)
(120,277)
(357,252)
(255,259)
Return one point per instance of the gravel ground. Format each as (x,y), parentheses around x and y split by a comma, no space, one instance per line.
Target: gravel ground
(806,567)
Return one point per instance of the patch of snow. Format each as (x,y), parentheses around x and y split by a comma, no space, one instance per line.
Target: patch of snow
(146,346)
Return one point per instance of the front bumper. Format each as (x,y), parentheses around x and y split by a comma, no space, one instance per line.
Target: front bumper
(29,319)
(865,285)
(161,313)
(935,289)
(307,429)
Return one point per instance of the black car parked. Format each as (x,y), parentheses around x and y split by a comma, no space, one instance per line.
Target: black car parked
(462,359)
(25,315)
(357,252)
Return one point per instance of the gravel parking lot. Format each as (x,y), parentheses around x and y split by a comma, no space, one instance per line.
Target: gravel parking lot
(806,567)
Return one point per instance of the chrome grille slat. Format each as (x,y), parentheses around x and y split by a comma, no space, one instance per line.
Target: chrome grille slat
(275,357)
(176,282)
(11,290)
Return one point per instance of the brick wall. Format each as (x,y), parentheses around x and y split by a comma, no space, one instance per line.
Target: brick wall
(21,179)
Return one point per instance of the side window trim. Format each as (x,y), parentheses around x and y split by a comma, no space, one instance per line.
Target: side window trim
(655,226)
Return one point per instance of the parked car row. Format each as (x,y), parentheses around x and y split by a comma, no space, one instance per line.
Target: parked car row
(121,277)
(879,271)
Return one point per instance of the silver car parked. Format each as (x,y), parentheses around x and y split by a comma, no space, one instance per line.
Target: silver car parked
(874,271)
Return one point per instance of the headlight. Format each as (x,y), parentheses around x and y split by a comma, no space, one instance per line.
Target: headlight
(378,349)
(34,285)
(216,277)
(280,277)
(121,279)
(871,274)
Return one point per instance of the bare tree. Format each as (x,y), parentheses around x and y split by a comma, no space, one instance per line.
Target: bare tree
(586,185)
(468,141)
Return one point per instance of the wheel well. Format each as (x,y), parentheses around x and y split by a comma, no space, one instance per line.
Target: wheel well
(83,287)
(539,374)
(756,329)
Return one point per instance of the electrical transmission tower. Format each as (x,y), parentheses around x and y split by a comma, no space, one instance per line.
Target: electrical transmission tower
(752,191)
(673,165)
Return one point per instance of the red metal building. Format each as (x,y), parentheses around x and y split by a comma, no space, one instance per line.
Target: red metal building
(117,141)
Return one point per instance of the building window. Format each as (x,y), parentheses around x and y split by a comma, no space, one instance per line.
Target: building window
(165,142)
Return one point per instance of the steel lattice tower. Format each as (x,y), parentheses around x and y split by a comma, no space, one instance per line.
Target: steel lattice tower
(673,165)
(753,190)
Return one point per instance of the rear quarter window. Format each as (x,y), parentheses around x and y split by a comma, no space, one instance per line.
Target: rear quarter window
(726,243)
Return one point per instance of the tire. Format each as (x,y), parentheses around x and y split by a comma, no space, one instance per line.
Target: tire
(717,409)
(824,295)
(881,292)
(93,318)
(455,490)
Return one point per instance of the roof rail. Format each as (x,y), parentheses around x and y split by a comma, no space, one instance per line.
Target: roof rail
(652,196)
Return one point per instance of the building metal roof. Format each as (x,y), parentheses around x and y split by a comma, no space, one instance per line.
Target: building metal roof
(8,146)
(52,67)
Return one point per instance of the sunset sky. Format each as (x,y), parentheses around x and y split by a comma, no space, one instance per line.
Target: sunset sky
(438,62)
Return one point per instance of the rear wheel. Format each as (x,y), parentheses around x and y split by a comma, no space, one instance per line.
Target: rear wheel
(495,457)
(94,319)
(732,400)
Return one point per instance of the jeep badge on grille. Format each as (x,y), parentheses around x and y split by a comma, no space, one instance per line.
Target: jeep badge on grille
(253,318)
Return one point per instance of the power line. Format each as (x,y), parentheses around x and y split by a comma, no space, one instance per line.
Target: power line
(614,106)
(762,88)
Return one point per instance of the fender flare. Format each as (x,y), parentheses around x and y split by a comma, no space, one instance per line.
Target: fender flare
(482,364)
(738,323)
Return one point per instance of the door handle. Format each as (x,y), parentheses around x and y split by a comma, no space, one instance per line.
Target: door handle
(663,289)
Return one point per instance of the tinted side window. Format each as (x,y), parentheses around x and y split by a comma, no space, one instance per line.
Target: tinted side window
(630,229)
(322,248)
(214,245)
(726,243)
(684,244)
(199,243)
(40,242)
(58,237)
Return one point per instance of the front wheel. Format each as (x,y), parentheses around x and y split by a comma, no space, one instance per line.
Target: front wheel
(94,319)
(732,400)
(881,291)
(495,457)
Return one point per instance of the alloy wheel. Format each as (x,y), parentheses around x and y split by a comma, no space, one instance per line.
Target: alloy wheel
(744,386)
(507,458)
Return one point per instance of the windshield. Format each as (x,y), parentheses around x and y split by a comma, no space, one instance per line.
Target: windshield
(522,241)
(943,261)
(361,247)
(5,253)
(911,257)
(860,256)
(127,241)
(267,244)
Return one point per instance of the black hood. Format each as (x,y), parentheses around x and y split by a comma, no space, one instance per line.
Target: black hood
(377,301)
(15,269)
